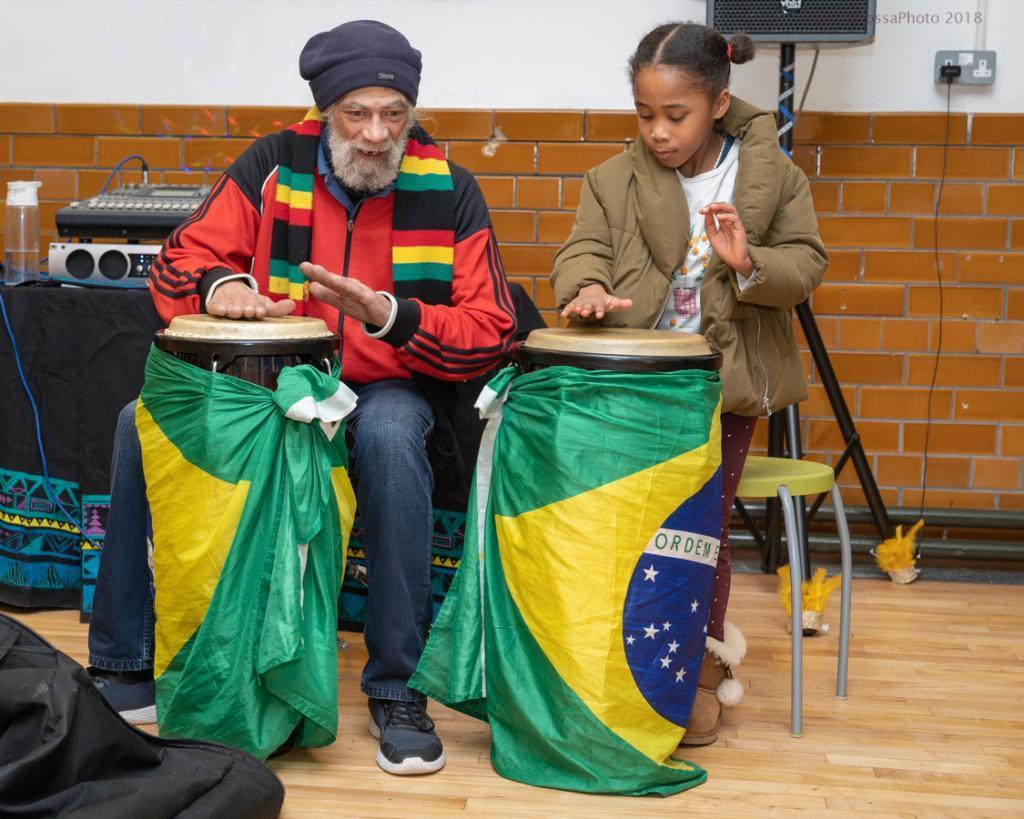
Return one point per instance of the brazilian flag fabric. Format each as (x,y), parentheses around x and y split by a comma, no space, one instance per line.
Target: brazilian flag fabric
(576,624)
(252,510)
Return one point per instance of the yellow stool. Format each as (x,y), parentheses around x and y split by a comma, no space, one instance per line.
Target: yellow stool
(765,478)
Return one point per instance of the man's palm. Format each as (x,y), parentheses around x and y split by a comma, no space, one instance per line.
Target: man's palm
(349,296)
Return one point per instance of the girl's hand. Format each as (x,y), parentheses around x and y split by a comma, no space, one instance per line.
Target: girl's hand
(594,299)
(728,239)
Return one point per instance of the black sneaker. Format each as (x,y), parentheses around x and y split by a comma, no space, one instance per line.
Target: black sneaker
(130,693)
(287,745)
(408,744)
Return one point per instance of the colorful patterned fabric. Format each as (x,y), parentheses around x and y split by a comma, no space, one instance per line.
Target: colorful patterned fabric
(576,623)
(41,551)
(423,238)
(292,233)
(445,553)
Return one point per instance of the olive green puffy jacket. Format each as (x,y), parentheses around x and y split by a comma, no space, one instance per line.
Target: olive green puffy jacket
(631,235)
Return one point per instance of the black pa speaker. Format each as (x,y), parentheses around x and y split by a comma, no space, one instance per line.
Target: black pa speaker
(795,21)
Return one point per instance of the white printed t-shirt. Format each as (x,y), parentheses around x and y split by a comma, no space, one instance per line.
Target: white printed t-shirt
(682,310)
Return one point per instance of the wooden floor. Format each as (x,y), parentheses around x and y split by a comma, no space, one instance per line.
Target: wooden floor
(934,725)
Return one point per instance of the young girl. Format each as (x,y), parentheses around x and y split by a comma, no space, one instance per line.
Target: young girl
(703,226)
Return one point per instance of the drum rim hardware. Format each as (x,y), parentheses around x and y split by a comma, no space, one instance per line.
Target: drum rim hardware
(322,348)
(620,363)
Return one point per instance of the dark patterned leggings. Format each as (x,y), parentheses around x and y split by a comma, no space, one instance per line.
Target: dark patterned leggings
(737,430)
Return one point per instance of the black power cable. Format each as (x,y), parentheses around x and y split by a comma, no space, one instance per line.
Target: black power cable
(948,75)
(810,79)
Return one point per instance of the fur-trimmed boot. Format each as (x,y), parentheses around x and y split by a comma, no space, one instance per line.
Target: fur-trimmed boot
(716,686)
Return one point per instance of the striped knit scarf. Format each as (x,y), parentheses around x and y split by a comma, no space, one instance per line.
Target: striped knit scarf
(423,218)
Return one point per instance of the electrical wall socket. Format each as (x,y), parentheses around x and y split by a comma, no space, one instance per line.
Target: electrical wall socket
(976,67)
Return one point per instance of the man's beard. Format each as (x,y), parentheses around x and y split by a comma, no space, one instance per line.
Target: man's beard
(359,174)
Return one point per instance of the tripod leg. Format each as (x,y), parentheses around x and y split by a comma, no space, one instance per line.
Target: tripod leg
(773,509)
(827,375)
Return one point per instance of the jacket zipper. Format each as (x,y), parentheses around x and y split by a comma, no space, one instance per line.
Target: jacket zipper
(348,238)
(765,403)
(664,304)
(344,273)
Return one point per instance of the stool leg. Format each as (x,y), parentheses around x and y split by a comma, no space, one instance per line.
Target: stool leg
(846,592)
(796,706)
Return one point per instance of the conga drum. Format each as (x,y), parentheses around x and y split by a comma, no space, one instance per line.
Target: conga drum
(578,624)
(616,348)
(241,429)
(253,350)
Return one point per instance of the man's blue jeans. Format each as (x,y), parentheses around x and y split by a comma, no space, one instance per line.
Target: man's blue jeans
(389,429)
(388,433)
(121,626)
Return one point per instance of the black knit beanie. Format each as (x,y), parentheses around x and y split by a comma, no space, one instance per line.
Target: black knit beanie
(359,54)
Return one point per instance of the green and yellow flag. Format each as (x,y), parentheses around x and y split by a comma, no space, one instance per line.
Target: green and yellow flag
(577,621)
(252,509)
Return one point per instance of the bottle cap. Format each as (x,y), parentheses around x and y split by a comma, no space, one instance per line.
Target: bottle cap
(23,193)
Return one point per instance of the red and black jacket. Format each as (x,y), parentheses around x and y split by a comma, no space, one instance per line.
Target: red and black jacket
(230,234)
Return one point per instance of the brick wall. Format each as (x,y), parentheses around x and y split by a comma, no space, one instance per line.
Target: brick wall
(873,177)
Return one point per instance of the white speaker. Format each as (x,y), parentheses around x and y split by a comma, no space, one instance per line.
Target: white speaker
(101,265)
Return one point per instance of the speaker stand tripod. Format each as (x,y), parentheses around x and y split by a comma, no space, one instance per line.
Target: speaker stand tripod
(784,427)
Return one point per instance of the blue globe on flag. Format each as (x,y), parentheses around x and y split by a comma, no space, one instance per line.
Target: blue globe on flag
(665,616)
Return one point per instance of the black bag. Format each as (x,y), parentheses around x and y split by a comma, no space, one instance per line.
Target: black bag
(65,752)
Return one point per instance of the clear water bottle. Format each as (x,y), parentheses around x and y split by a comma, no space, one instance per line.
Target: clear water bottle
(21,233)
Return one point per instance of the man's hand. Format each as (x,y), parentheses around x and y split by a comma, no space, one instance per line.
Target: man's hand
(728,237)
(236,300)
(350,296)
(594,299)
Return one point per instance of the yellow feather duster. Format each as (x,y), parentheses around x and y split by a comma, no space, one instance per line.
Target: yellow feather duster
(816,591)
(898,555)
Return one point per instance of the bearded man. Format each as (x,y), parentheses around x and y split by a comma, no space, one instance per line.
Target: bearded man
(358,199)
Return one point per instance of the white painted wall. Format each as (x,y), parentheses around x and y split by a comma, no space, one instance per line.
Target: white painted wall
(477,53)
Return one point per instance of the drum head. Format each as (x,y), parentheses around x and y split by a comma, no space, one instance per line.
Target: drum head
(202,326)
(618,348)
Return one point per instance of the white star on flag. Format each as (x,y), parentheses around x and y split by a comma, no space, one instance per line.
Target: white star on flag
(680,674)
(694,605)
(666,625)
(630,640)
(666,662)
(650,573)
(673,647)
(651,630)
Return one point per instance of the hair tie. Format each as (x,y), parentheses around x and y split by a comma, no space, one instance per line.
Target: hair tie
(728,51)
